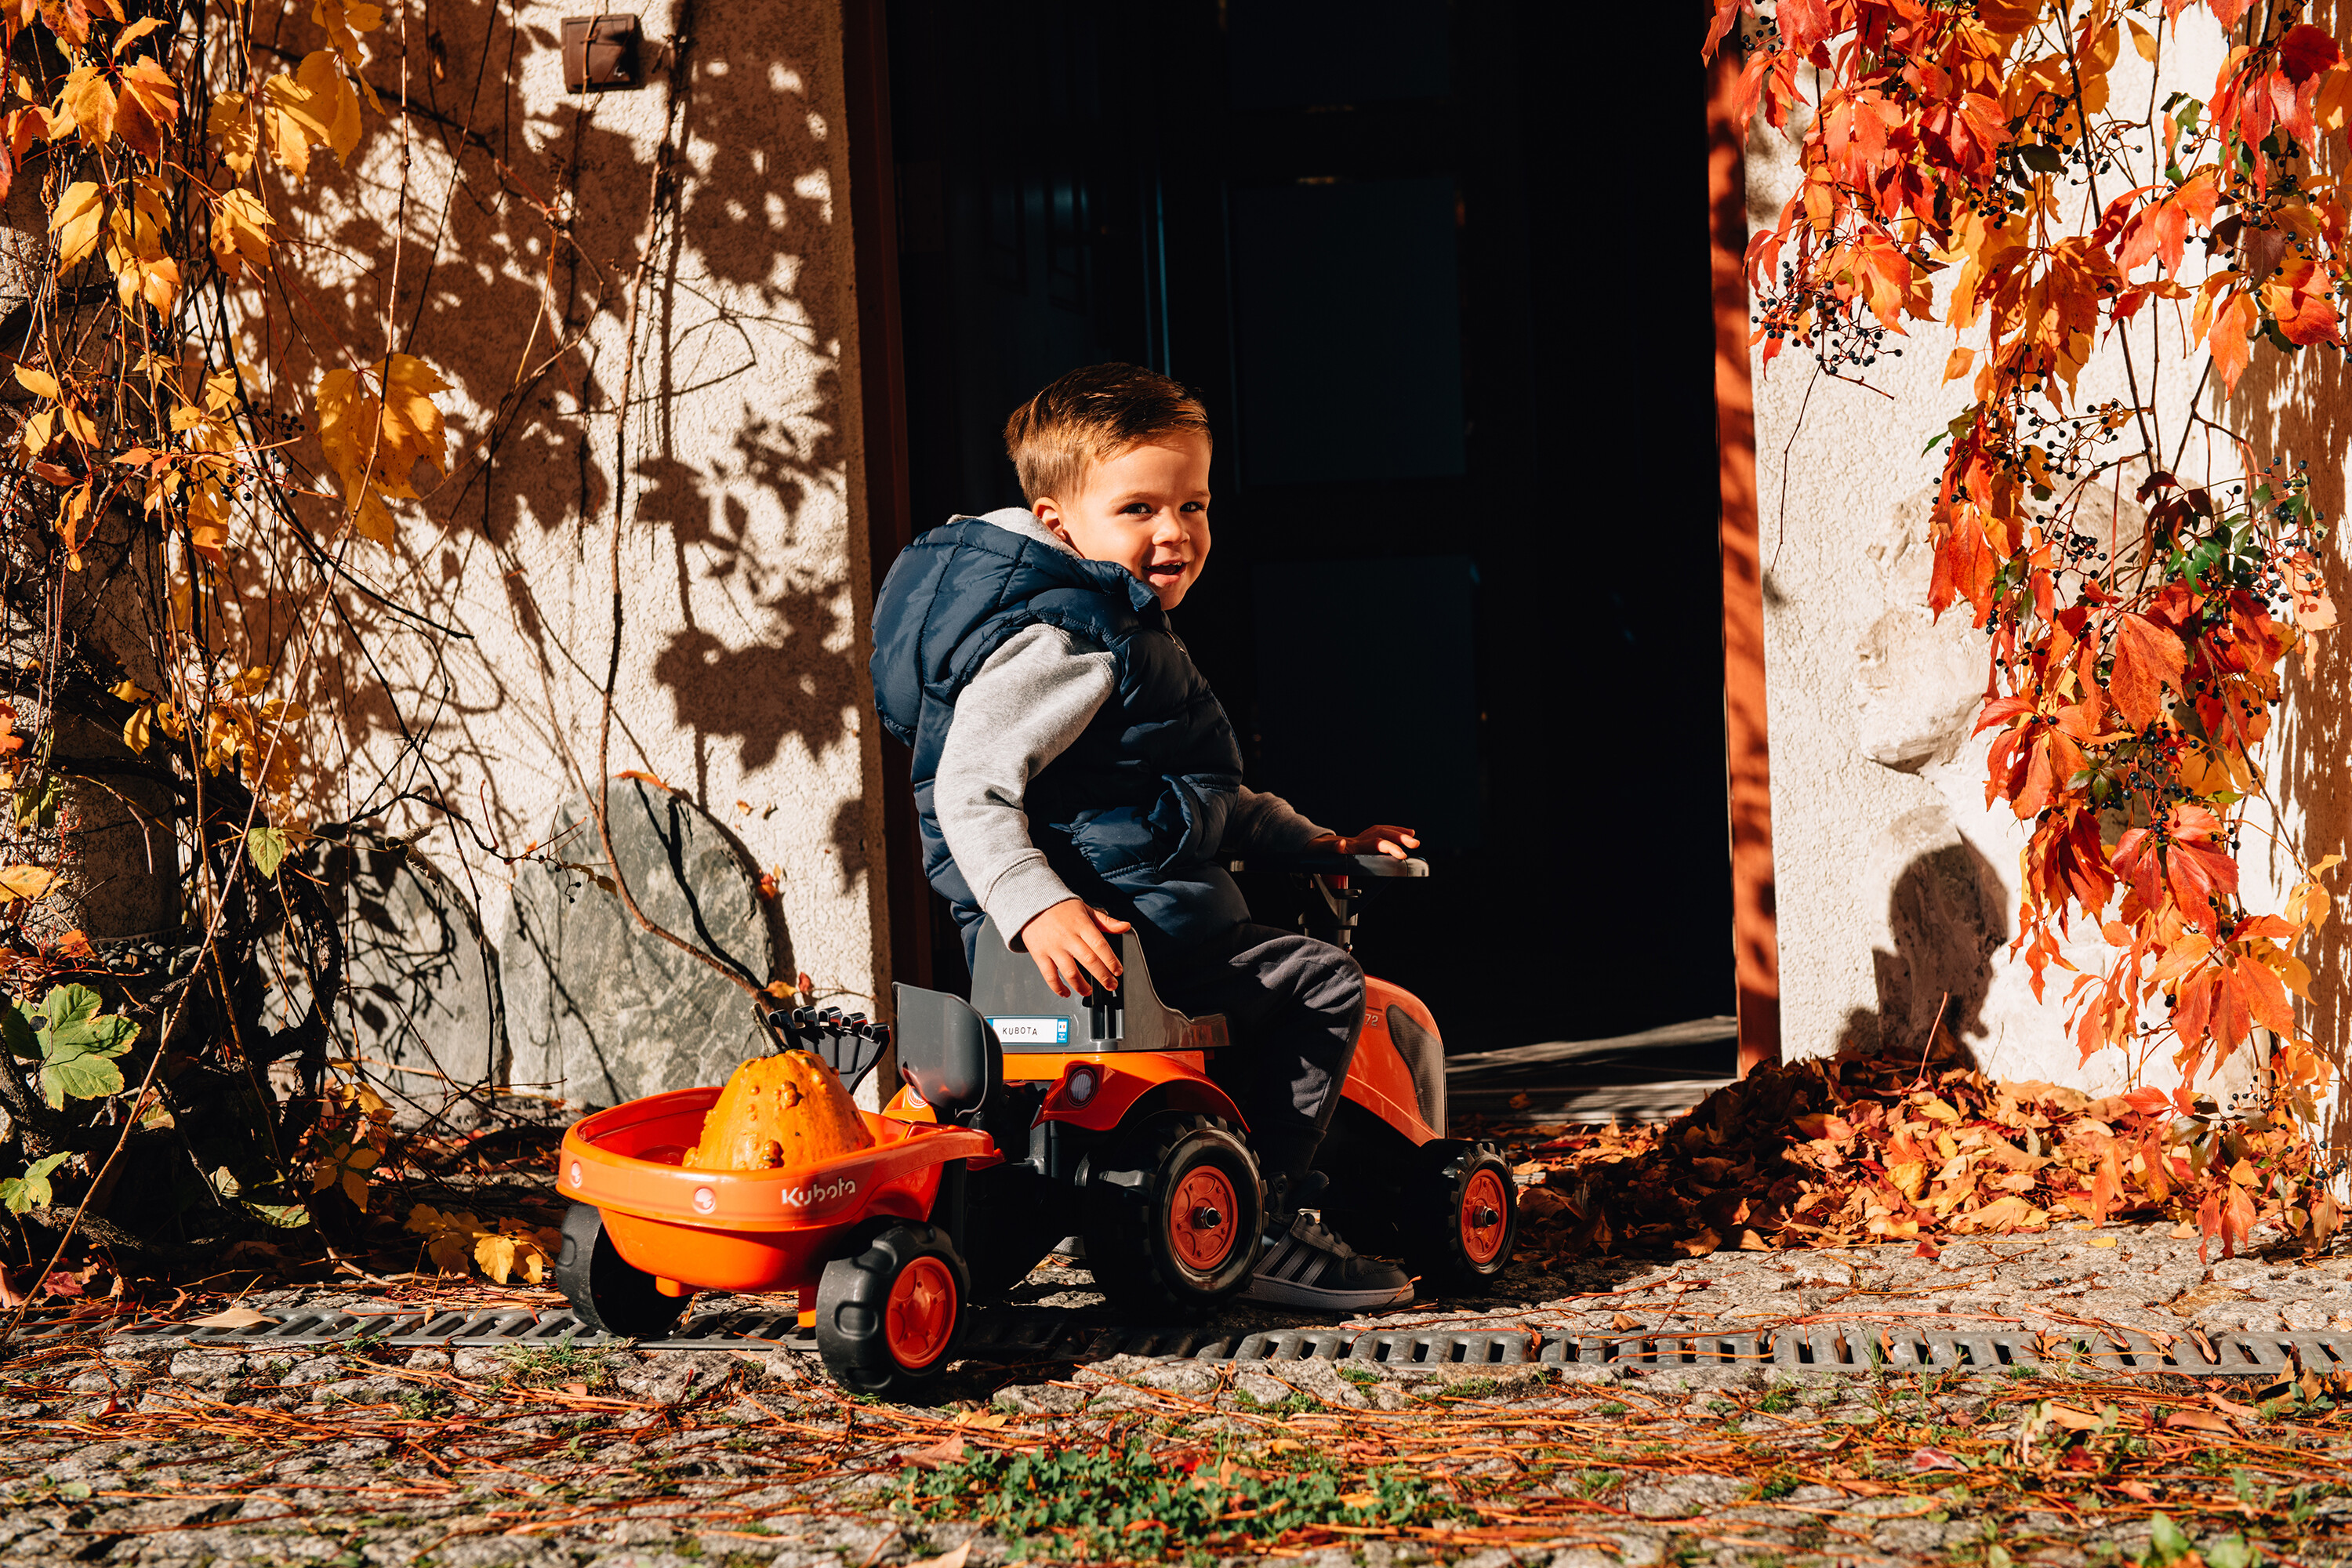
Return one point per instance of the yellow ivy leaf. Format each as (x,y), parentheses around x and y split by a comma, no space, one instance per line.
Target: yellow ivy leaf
(147,107)
(495,1254)
(132,34)
(139,729)
(128,691)
(294,119)
(332,102)
(375,443)
(87,103)
(343,21)
(40,431)
(78,424)
(76,222)
(240,235)
(451,1251)
(73,521)
(208,521)
(138,249)
(23,882)
(39,383)
(232,126)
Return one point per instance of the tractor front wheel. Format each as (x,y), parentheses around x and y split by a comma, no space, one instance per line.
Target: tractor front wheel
(888,1319)
(1172,1216)
(1463,1216)
(606,1289)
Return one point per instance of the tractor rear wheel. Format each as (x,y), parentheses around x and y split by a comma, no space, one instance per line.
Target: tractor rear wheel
(1173,1212)
(1462,1216)
(888,1319)
(606,1289)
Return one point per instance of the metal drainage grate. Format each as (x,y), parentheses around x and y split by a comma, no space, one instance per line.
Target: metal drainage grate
(1015,1337)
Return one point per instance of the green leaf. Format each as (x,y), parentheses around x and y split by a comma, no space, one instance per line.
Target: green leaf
(17,1032)
(2232,1552)
(31,1190)
(2166,1543)
(39,810)
(79,1045)
(286,1216)
(267,848)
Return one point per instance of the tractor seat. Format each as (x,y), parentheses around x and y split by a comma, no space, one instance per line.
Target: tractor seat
(952,1051)
(1025,1015)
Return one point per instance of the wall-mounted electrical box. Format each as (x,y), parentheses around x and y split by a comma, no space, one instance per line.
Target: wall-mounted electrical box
(600,52)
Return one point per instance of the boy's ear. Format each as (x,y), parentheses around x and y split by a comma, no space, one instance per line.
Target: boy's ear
(1048,510)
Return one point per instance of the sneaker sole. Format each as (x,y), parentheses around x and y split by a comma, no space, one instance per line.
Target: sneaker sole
(1281,1292)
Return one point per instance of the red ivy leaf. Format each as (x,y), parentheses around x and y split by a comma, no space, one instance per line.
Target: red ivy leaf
(2147,658)
(2306,51)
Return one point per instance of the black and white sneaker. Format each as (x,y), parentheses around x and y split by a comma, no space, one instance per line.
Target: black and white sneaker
(1301,1264)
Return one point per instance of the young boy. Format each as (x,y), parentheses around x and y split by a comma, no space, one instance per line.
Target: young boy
(1077,779)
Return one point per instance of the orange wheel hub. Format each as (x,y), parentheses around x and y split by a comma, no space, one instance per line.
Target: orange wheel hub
(921,1314)
(1203,1220)
(1483,1211)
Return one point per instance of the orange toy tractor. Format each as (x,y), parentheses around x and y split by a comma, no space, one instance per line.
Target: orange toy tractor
(1025,1117)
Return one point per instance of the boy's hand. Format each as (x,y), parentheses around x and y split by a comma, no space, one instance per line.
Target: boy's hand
(1378,839)
(1068,941)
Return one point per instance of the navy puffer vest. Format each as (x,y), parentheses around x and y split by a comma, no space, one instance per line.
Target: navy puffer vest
(1131,816)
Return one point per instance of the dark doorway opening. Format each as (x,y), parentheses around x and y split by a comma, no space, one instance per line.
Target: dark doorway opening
(1440,273)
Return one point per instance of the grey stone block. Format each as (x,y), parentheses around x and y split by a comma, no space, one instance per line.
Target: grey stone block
(600,1011)
(422,1000)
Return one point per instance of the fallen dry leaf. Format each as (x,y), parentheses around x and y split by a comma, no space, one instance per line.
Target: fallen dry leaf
(1625,1322)
(232,1318)
(951,1558)
(2074,1420)
(2197,1420)
(2231,1408)
(945,1451)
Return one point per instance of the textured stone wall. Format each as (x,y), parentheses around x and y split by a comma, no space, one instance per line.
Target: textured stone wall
(1896,886)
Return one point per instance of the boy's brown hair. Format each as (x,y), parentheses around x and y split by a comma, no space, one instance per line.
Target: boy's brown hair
(1091,415)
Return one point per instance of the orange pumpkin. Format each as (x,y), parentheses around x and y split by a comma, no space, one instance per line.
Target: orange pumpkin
(777,1112)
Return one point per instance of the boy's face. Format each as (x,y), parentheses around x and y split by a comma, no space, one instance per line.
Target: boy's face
(1147,509)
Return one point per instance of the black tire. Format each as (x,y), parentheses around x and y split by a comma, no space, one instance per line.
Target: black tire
(604,1288)
(1135,1183)
(863,1345)
(1447,1244)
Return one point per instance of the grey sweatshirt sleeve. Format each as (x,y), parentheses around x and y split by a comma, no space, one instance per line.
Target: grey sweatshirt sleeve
(1267,822)
(1033,697)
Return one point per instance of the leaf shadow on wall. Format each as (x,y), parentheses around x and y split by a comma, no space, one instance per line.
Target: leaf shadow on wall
(2293,410)
(523,221)
(1949,916)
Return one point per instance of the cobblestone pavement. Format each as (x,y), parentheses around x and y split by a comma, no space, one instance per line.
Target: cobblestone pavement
(377,1454)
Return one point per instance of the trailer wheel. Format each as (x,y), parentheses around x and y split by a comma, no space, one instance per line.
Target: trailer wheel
(606,1290)
(1463,1216)
(888,1319)
(1172,1216)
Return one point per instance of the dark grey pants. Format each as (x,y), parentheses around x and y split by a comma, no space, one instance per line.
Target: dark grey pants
(1294,1006)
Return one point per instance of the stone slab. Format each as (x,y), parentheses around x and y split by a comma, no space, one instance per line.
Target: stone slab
(421,1005)
(600,1011)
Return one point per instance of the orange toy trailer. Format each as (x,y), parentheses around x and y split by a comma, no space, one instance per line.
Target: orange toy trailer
(1112,1124)
(872,1240)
